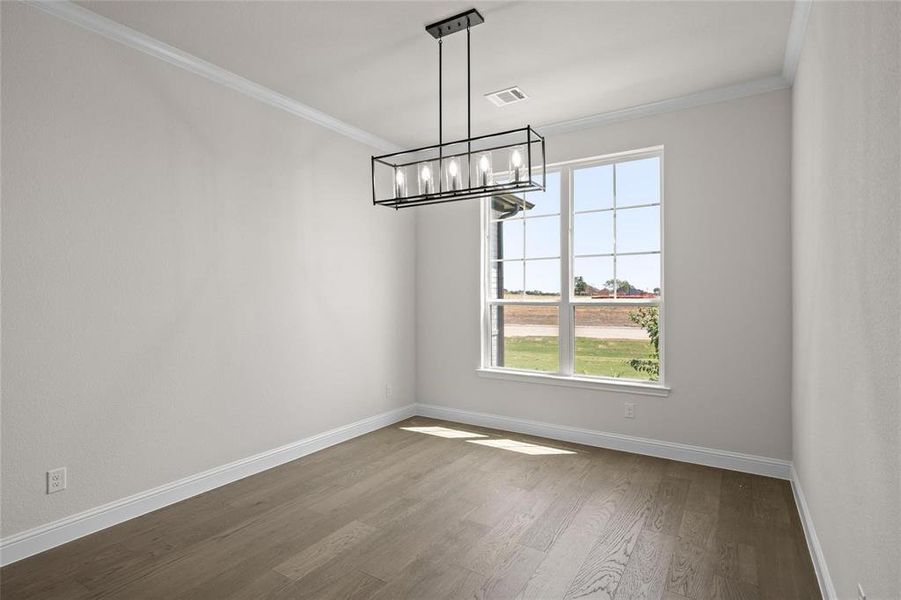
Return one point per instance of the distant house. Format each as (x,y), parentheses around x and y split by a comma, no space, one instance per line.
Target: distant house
(604,293)
(630,293)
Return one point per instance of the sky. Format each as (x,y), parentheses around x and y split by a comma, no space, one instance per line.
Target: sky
(636,229)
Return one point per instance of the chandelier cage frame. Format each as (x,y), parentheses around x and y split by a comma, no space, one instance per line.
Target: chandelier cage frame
(465,168)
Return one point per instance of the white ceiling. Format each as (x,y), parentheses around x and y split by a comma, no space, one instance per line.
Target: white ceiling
(371,64)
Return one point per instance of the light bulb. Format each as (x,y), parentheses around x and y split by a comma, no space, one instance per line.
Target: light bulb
(400,186)
(426,173)
(453,175)
(516,165)
(484,171)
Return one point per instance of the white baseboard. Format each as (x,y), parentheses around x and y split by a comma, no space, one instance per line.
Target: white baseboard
(39,539)
(724,459)
(827,589)
(27,543)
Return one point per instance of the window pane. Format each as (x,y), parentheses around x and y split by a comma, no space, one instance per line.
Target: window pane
(543,279)
(638,229)
(508,236)
(638,276)
(507,279)
(525,337)
(543,237)
(546,202)
(593,233)
(593,277)
(593,188)
(638,182)
(616,341)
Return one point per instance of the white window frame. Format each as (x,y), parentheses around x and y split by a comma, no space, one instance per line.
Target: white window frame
(568,301)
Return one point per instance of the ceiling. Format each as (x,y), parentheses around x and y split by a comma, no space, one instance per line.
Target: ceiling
(372,65)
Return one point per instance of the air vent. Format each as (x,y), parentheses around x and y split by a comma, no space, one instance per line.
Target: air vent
(507,96)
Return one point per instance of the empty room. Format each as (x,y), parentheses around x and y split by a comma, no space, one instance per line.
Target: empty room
(441,300)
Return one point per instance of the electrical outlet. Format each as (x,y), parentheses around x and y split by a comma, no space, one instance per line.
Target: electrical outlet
(387,391)
(56,480)
(630,410)
(860,594)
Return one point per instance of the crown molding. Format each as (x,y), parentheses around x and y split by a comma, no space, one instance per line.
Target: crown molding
(795,42)
(711,96)
(793,46)
(78,15)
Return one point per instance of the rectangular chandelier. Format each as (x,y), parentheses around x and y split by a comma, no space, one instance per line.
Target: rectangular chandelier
(479,167)
(485,166)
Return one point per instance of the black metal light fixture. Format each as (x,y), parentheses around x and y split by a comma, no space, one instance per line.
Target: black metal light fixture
(499,164)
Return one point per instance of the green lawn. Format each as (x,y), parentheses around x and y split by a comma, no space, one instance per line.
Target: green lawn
(607,358)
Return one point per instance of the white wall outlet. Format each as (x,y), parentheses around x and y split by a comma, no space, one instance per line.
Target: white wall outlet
(630,410)
(387,391)
(56,480)
(860,594)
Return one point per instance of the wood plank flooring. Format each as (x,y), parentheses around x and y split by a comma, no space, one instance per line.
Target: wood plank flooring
(403,514)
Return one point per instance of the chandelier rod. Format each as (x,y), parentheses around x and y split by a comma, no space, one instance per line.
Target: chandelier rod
(440,115)
(468,94)
(468,109)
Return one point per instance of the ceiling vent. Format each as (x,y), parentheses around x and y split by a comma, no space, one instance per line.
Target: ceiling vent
(507,96)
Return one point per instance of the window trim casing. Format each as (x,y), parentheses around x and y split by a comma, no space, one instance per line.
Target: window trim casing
(567,302)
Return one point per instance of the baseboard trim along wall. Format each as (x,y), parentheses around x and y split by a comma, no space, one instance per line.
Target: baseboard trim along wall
(724,459)
(827,589)
(45,537)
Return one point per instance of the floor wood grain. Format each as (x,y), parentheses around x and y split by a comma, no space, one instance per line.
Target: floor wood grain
(404,514)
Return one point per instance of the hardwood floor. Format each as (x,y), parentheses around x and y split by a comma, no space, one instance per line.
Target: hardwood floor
(403,514)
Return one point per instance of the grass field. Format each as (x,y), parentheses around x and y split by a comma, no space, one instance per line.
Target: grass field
(599,357)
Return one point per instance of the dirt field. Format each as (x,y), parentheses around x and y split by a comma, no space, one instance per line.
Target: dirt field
(594,316)
(604,332)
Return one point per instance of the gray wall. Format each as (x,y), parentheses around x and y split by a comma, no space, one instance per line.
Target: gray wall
(728,285)
(190,277)
(846,222)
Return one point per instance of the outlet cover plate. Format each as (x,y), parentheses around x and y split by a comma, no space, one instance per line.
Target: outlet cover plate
(56,480)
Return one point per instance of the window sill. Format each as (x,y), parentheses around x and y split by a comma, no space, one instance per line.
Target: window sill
(628,387)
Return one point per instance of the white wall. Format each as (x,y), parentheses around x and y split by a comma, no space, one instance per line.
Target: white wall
(846,215)
(190,277)
(728,285)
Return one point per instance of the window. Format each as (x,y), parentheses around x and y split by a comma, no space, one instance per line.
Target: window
(573,286)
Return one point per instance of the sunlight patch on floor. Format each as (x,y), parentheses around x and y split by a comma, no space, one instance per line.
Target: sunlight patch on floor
(444,432)
(523,447)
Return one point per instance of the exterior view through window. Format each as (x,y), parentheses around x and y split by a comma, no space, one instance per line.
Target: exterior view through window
(574,274)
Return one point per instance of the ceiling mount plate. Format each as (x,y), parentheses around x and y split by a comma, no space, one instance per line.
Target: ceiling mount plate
(450,25)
